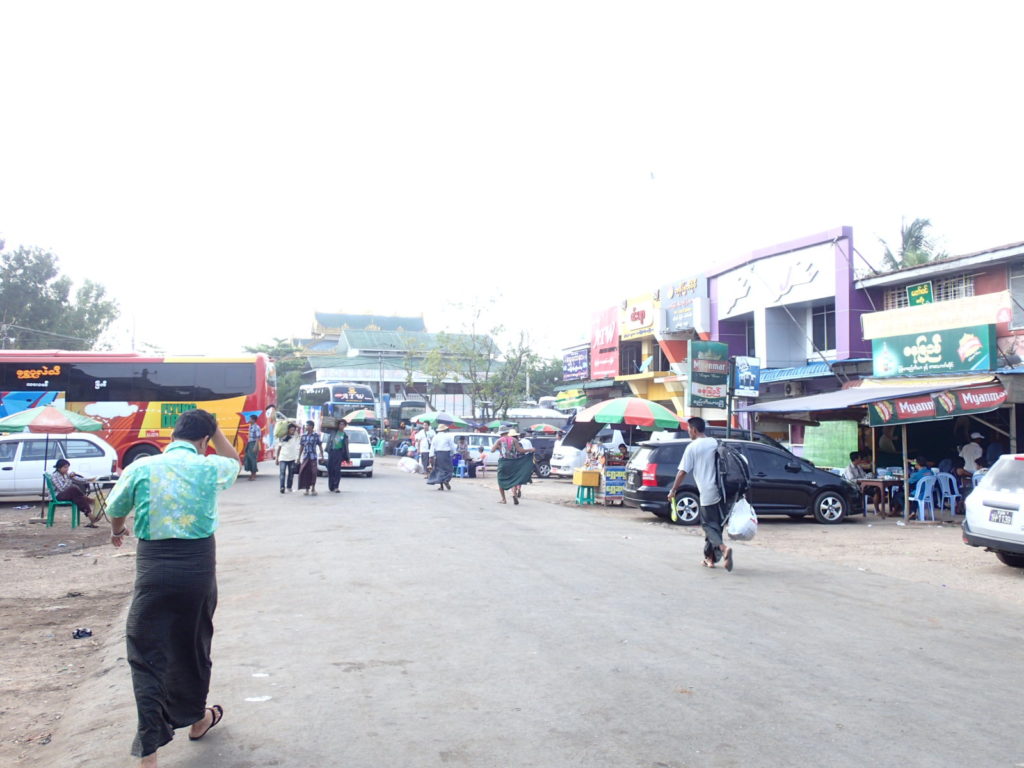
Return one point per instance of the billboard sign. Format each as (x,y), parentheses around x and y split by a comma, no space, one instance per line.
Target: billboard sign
(637,317)
(709,374)
(604,344)
(685,306)
(936,406)
(955,350)
(576,365)
(748,377)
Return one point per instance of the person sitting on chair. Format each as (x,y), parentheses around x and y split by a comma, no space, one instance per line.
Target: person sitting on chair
(70,486)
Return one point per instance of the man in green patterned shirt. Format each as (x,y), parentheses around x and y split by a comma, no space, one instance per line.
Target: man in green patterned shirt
(170,623)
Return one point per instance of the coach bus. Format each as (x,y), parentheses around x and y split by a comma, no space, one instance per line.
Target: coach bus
(332,399)
(138,398)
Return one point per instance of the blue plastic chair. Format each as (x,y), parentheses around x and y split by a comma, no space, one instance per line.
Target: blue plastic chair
(924,495)
(461,470)
(949,491)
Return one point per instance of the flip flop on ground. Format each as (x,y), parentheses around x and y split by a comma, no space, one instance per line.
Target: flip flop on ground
(727,557)
(216,713)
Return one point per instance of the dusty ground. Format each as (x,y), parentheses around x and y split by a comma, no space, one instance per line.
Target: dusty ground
(55,580)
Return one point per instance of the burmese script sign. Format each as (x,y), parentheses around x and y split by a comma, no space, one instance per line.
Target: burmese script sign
(920,294)
(936,406)
(955,350)
(709,374)
(576,365)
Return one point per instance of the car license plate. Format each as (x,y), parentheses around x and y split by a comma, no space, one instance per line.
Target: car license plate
(1003,516)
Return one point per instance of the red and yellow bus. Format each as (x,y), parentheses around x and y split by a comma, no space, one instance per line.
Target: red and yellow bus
(138,398)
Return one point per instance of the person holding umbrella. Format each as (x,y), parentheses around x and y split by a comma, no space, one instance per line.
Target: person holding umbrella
(441,448)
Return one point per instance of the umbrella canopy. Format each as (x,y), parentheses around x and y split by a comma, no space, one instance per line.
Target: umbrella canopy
(363,414)
(439,417)
(545,428)
(48,420)
(498,424)
(631,410)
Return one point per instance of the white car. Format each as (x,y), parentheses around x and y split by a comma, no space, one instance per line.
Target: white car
(25,457)
(565,459)
(360,453)
(994,516)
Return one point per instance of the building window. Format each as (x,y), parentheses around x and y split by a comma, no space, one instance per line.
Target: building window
(630,358)
(951,288)
(1017,294)
(750,350)
(823,327)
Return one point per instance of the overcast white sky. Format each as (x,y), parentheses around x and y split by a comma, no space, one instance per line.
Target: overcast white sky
(227,168)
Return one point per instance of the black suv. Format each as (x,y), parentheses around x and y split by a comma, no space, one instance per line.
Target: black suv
(543,447)
(780,484)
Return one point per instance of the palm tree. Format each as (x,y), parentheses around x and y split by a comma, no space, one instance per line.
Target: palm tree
(916,247)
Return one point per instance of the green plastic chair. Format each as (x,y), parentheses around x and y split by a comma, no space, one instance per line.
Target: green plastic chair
(54,503)
(378,448)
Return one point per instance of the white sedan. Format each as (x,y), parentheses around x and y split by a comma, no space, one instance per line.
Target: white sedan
(994,516)
(25,457)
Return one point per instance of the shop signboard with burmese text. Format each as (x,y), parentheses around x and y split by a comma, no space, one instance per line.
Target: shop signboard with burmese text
(748,377)
(936,406)
(920,294)
(684,306)
(604,344)
(709,374)
(576,365)
(954,350)
(637,317)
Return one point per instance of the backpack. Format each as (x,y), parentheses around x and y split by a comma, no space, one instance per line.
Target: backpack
(732,472)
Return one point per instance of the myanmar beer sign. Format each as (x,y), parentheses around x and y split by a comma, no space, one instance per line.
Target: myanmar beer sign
(709,374)
(938,405)
(955,350)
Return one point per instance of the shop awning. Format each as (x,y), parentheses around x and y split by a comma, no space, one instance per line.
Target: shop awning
(902,403)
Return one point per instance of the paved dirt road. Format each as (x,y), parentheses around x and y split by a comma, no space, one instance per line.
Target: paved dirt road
(398,625)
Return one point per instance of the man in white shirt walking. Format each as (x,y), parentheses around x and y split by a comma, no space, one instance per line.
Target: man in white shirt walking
(699,461)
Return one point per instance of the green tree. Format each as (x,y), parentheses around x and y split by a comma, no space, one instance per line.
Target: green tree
(438,365)
(477,358)
(545,375)
(38,309)
(507,386)
(916,247)
(289,361)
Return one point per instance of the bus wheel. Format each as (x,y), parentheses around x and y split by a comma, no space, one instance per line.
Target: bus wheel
(138,452)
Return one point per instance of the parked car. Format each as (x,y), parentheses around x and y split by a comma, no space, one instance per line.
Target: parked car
(993,516)
(780,484)
(360,453)
(565,459)
(543,449)
(477,440)
(25,457)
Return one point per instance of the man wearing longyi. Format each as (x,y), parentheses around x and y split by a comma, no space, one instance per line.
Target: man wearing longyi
(170,623)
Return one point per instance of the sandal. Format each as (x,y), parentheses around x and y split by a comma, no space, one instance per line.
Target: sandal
(217,712)
(727,558)
(707,563)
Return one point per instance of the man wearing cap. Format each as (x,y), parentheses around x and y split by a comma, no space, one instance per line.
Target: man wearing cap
(441,448)
(972,451)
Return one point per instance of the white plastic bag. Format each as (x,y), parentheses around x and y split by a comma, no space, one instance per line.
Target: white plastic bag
(410,465)
(742,521)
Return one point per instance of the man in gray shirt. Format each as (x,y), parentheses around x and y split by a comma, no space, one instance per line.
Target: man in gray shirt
(699,461)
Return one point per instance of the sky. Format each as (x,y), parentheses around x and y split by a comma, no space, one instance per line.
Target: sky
(226,168)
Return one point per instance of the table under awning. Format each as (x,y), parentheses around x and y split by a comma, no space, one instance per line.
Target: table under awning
(901,402)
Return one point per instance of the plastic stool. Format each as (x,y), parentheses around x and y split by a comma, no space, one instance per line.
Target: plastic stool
(461,470)
(584,494)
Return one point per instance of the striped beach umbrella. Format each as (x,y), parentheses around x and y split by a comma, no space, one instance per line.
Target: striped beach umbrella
(546,429)
(634,411)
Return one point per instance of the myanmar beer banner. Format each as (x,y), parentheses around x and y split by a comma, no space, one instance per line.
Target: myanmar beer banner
(936,406)
(709,374)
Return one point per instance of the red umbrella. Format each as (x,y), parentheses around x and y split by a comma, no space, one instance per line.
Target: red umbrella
(546,428)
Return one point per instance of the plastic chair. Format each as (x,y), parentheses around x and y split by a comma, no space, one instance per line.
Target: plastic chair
(584,494)
(53,503)
(461,470)
(948,491)
(378,448)
(924,495)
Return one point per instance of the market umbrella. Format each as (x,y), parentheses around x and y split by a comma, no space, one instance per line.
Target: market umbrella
(498,424)
(49,421)
(632,411)
(545,428)
(440,417)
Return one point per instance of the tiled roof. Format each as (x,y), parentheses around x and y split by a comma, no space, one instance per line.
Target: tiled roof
(338,321)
